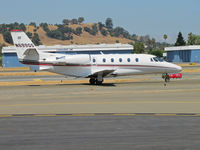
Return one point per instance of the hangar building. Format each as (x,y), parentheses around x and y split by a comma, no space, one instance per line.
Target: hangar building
(9,56)
(183,53)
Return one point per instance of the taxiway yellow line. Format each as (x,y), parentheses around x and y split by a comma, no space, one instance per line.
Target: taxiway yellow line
(15,69)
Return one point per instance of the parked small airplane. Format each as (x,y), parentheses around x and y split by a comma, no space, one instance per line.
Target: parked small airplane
(95,67)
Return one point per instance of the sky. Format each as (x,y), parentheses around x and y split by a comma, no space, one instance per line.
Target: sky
(142,17)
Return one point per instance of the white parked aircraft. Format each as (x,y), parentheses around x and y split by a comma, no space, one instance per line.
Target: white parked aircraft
(95,67)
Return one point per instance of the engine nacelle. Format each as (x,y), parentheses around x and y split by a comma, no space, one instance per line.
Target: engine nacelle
(175,76)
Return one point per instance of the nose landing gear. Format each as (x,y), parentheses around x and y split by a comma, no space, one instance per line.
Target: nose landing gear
(166,78)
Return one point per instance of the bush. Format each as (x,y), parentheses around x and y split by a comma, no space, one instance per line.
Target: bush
(78,31)
(36,39)
(92,31)
(104,32)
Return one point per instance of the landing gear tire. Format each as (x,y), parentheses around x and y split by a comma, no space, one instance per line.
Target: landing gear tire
(167,79)
(99,82)
(92,81)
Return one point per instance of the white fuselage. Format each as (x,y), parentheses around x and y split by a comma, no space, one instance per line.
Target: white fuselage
(83,65)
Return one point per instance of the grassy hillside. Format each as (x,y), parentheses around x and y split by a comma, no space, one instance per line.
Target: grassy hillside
(84,38)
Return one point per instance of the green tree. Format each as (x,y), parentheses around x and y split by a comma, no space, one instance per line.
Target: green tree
(100,25)
(138,47)
(22,27)
(32,24)
(36,39)
(193,39)
(74,21)
(109,23)
(80,20)
(44,26)
(66,21)
(94,29)
(180,40)
(165,37)
(157,52)
(151,44)
(78,31)
(3,28)
(29,34)
(7,37)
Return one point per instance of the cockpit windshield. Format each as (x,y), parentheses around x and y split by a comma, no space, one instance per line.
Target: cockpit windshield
(157,59)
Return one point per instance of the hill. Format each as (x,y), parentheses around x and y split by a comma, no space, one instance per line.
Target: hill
(83,38)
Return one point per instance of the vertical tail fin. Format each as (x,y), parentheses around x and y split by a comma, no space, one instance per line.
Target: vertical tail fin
(24,46)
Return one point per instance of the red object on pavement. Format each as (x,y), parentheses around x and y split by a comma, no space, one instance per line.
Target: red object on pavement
(177,75)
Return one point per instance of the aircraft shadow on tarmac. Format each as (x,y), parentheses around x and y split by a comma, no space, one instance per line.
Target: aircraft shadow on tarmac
(104,84)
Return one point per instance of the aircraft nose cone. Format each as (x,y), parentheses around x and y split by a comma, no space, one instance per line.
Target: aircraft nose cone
(178,68)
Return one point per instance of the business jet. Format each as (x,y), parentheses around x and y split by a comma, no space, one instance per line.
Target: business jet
(95,67)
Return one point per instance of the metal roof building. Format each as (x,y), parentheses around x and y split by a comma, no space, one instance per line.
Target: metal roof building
(183,53)
(9,56)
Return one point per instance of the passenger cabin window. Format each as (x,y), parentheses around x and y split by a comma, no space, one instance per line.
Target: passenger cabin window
(136,59)
(128,59)
(120,60)
(151,59)
(104,60)
(112,59)
(94,60)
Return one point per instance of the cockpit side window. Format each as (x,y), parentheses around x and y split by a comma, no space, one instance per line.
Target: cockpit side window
(157,59)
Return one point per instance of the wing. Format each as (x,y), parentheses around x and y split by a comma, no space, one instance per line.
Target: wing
(104,73)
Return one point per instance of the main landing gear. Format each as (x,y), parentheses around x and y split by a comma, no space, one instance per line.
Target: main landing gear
(94,81)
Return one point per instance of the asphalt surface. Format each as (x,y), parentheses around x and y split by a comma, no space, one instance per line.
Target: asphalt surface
(100,133)
(145,96)
(159,127)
